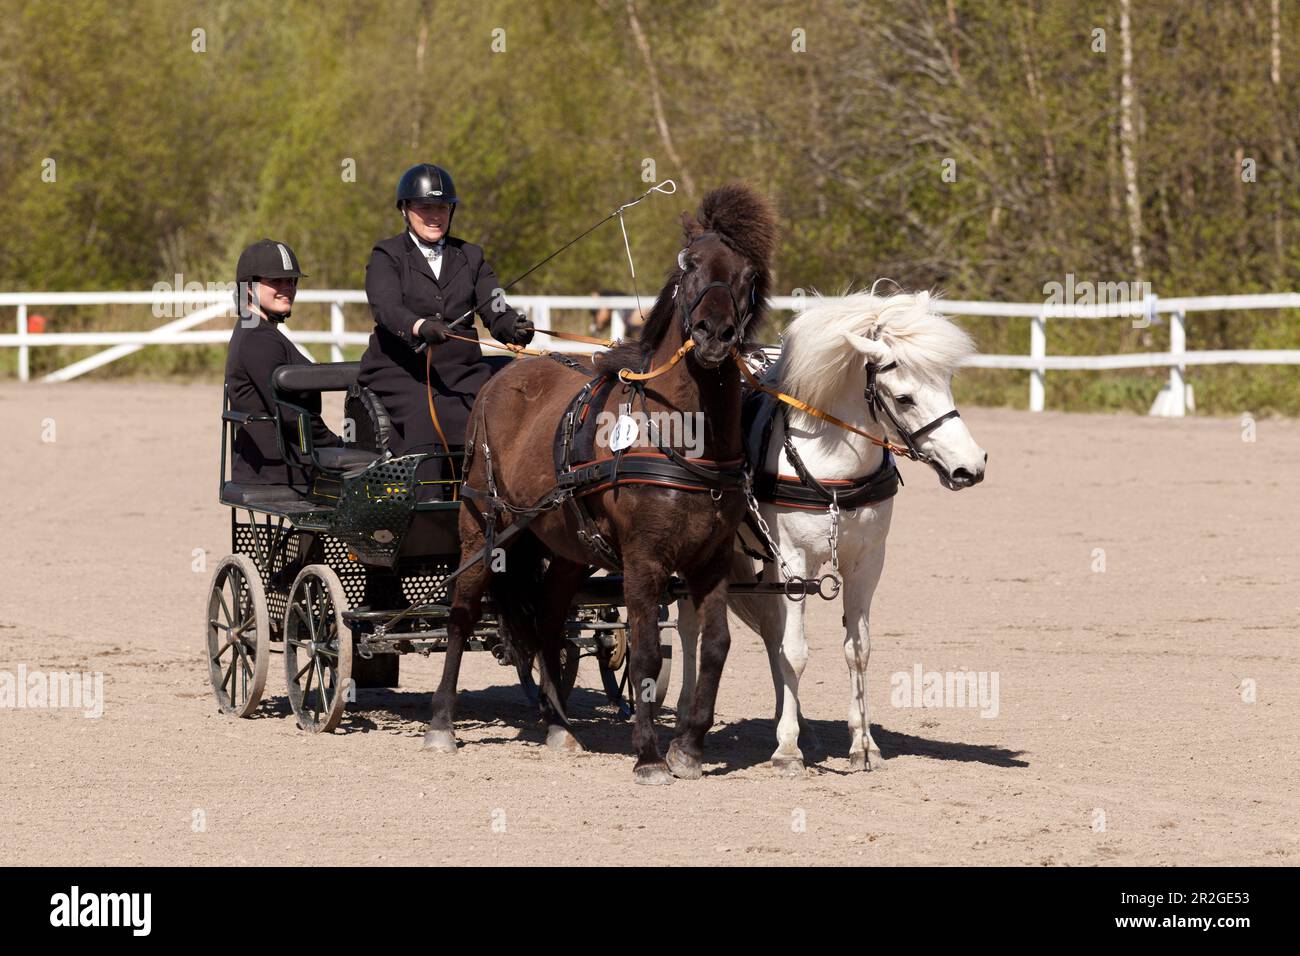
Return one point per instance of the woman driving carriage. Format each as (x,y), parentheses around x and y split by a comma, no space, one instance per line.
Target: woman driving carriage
(419,283)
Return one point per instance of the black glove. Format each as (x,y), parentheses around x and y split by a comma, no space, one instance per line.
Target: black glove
(518,332)
(434,331)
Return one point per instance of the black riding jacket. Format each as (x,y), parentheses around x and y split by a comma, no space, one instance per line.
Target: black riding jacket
(257,348)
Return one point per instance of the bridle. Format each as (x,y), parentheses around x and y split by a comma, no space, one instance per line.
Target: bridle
(742,318)
(627,376)
(910,439)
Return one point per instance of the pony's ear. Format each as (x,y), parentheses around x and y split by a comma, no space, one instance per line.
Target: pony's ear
(872,349)
(691,228)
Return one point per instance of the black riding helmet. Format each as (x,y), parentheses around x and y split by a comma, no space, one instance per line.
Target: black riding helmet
(264,259)
(426,181)
(267,259)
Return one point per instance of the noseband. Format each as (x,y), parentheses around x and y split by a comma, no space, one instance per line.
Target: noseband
(910,439)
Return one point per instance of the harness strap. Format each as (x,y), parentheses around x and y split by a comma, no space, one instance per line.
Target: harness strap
(587,532)
(788,491)
(651,468)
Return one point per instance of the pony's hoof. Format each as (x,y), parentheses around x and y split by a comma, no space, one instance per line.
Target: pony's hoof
(653,774)
(682,764)
(788,766)
(860,761)
(439,741)
(557,738)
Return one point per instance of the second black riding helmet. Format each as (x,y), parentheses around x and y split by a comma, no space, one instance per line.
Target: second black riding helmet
(267,259)
(428,182)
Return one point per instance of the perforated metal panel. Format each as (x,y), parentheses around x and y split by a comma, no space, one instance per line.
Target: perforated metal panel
(375,509)
(352,574)
(277,552)
(423,584)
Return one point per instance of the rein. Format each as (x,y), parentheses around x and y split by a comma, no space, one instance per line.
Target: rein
(626,375)
(505,347)
(574,337)
(815,412)
(909,449)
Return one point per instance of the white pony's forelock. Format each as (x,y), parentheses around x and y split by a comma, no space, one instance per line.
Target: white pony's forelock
(816,358)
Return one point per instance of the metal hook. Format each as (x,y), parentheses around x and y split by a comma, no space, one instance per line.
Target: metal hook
(794,589)
(822,587)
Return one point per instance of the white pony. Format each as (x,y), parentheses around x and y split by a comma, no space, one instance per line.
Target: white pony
(884,365)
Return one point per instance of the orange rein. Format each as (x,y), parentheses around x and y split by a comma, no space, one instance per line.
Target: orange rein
(627,375)
(815,412)
(521,350)
(433,417)
(516,349)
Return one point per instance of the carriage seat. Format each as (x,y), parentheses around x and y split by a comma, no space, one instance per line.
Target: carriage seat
(273,497)
(338,377)
(343,458)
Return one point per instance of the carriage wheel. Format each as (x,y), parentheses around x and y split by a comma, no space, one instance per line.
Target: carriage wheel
(530,675)
(238,635)
(616,680)
(317,649)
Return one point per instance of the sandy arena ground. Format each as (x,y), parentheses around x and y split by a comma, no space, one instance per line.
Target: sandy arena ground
(1121,692)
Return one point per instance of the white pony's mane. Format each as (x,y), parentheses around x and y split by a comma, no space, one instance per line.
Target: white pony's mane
(816,359)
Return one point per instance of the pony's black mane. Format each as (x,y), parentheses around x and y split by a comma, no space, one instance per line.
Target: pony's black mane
(744,220)
(635,353)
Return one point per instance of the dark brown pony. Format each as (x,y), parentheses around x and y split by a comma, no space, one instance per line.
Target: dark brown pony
(715,298)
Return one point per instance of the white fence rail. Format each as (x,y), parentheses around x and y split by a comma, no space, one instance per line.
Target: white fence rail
(200,307)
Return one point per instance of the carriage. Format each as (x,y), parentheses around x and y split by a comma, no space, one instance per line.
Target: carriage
(345,578)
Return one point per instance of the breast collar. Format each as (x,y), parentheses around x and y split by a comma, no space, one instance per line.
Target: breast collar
(660,466)
(805,491)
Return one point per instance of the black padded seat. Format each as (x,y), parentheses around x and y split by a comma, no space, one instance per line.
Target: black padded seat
(339,458)
(325,377)
(275,497)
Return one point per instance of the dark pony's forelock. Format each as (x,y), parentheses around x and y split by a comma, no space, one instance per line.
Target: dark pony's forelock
(742,218)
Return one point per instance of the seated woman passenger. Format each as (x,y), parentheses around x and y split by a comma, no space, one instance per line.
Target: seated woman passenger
(418,282)
(268,275)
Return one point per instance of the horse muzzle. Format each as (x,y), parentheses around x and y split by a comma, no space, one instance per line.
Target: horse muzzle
(962,476)
(709,351)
